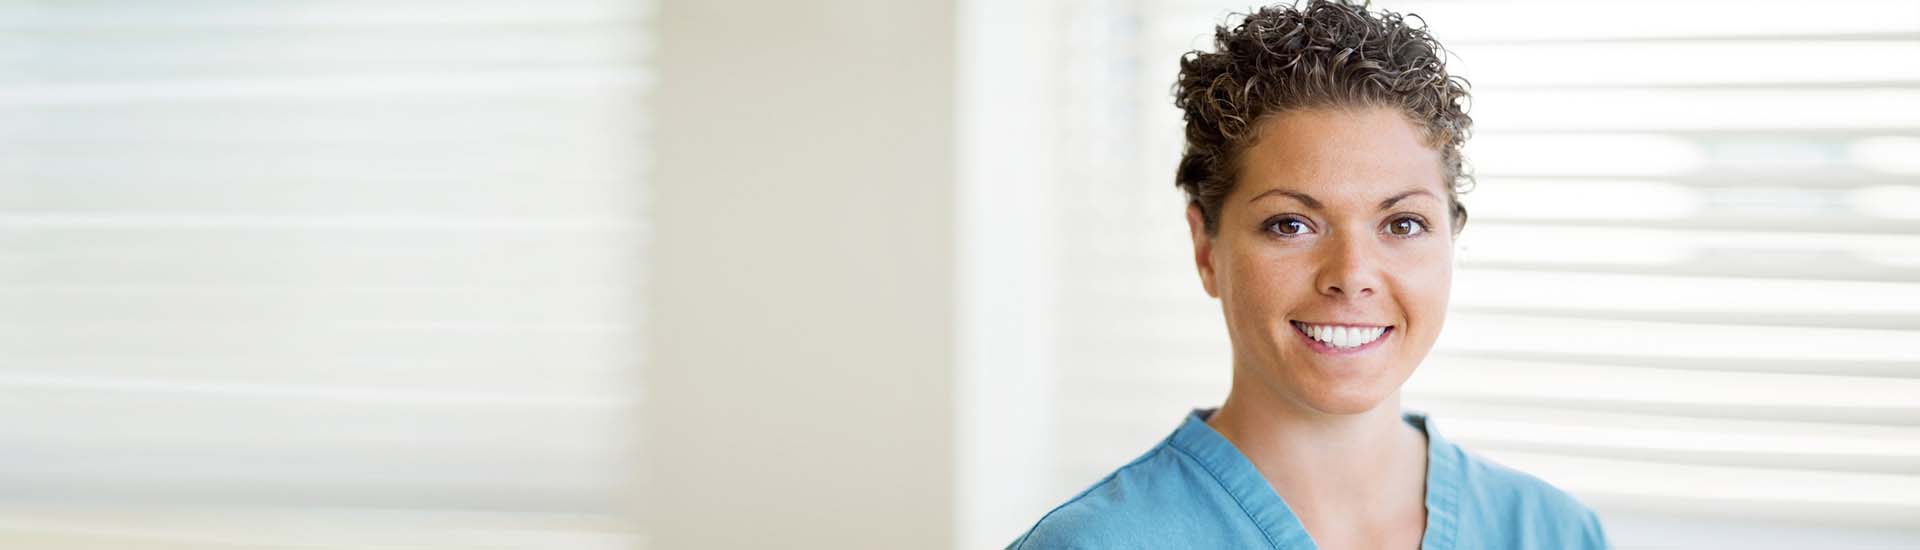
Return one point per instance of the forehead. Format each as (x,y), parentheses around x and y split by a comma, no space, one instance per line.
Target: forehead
(1332,153)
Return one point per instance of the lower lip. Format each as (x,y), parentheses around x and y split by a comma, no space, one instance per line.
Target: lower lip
(1322,347)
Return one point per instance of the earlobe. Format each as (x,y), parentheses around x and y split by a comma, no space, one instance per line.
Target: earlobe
(1202,247)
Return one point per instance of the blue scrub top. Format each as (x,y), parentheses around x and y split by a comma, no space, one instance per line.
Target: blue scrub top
(1195,490)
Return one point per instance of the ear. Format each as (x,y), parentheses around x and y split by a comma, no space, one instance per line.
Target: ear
(1202,247)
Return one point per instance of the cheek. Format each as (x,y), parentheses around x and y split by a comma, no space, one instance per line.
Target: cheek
(1255,289)
(1262,281)
(1424,283)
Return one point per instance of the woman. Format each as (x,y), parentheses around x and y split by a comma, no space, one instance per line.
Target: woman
(1322,168)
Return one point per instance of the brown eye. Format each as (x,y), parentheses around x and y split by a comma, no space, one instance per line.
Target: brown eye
(1406,227)
(1288,227)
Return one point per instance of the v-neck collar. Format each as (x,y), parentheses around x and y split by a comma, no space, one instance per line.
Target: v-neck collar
(1271,514)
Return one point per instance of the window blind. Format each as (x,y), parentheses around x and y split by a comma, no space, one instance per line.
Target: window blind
(1690,292)
(343,274)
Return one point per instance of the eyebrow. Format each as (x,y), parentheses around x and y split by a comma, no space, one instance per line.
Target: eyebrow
(1302,197)
(1385,204)
(1315,203)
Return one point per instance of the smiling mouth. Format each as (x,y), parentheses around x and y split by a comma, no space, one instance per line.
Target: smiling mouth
(1341,339)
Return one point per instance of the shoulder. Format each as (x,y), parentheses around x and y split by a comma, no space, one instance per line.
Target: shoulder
(1159,500)
(1499,502)
(1099,516)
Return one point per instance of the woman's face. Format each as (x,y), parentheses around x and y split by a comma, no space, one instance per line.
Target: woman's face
(1333,256)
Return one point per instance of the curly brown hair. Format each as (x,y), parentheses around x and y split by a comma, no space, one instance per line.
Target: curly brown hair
(1329,54)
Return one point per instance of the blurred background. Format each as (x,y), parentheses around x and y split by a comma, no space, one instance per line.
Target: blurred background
(592,274)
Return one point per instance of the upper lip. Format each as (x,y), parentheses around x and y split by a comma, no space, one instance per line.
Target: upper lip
(1344,323)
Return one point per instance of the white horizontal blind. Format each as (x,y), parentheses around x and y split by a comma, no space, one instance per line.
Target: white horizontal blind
(1689,292)
(345,274)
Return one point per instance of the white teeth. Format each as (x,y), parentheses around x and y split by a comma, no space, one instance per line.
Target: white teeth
(1343,336)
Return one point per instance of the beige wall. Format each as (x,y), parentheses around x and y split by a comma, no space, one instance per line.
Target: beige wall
(798,383)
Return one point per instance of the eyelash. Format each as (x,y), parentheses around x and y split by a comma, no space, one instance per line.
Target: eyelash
(1424,226)
(1268,227)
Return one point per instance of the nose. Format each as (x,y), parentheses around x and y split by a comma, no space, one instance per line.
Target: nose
(1348,268)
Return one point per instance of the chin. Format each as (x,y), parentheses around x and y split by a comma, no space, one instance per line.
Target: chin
(1341,395)
(1354,401)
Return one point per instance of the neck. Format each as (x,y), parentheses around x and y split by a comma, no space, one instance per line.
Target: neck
(1341,465)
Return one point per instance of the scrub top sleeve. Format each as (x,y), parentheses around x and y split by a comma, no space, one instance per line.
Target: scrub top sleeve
(1593,535)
